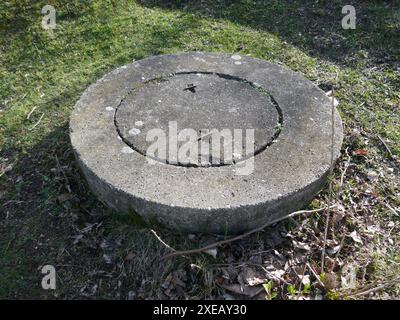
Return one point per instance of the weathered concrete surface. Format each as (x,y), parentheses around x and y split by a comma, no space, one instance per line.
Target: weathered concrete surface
(287,174)
(215,102)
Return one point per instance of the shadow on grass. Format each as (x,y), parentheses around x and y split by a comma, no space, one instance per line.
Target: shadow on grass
(36,224)
(313,27)
(44,202)
(50,217)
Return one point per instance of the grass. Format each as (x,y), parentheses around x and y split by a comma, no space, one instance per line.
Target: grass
(47,70)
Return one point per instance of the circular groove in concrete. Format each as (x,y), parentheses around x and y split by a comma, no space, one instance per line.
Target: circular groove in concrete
(207,101)
(279,179)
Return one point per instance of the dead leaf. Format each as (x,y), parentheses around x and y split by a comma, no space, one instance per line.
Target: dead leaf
(107,258)
(334,250)
(330,263)
(329,95)
(250,276)
(212,252)
(305,280)
(301,245)
(65,197)
(277,274)
(360,152)
(255,281)
(356,238)
(348,277)
(244,290)
(88,290)
(329,281)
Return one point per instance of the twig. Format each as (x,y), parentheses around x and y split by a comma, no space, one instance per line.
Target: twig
(34,126)
(219,243)
(347,165)
(390,208)
(330,187)
(301,279)
(161,240)
(341,245)
(325,238)
(315,275)
(386,147)
(30,113)
(300,226)
(377,288)
(332,129)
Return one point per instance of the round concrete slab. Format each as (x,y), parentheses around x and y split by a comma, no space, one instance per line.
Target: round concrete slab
(213,101)
(287,118)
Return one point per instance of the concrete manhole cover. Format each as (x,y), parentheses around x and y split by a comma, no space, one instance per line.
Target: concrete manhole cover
(205,142)
(202,102)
